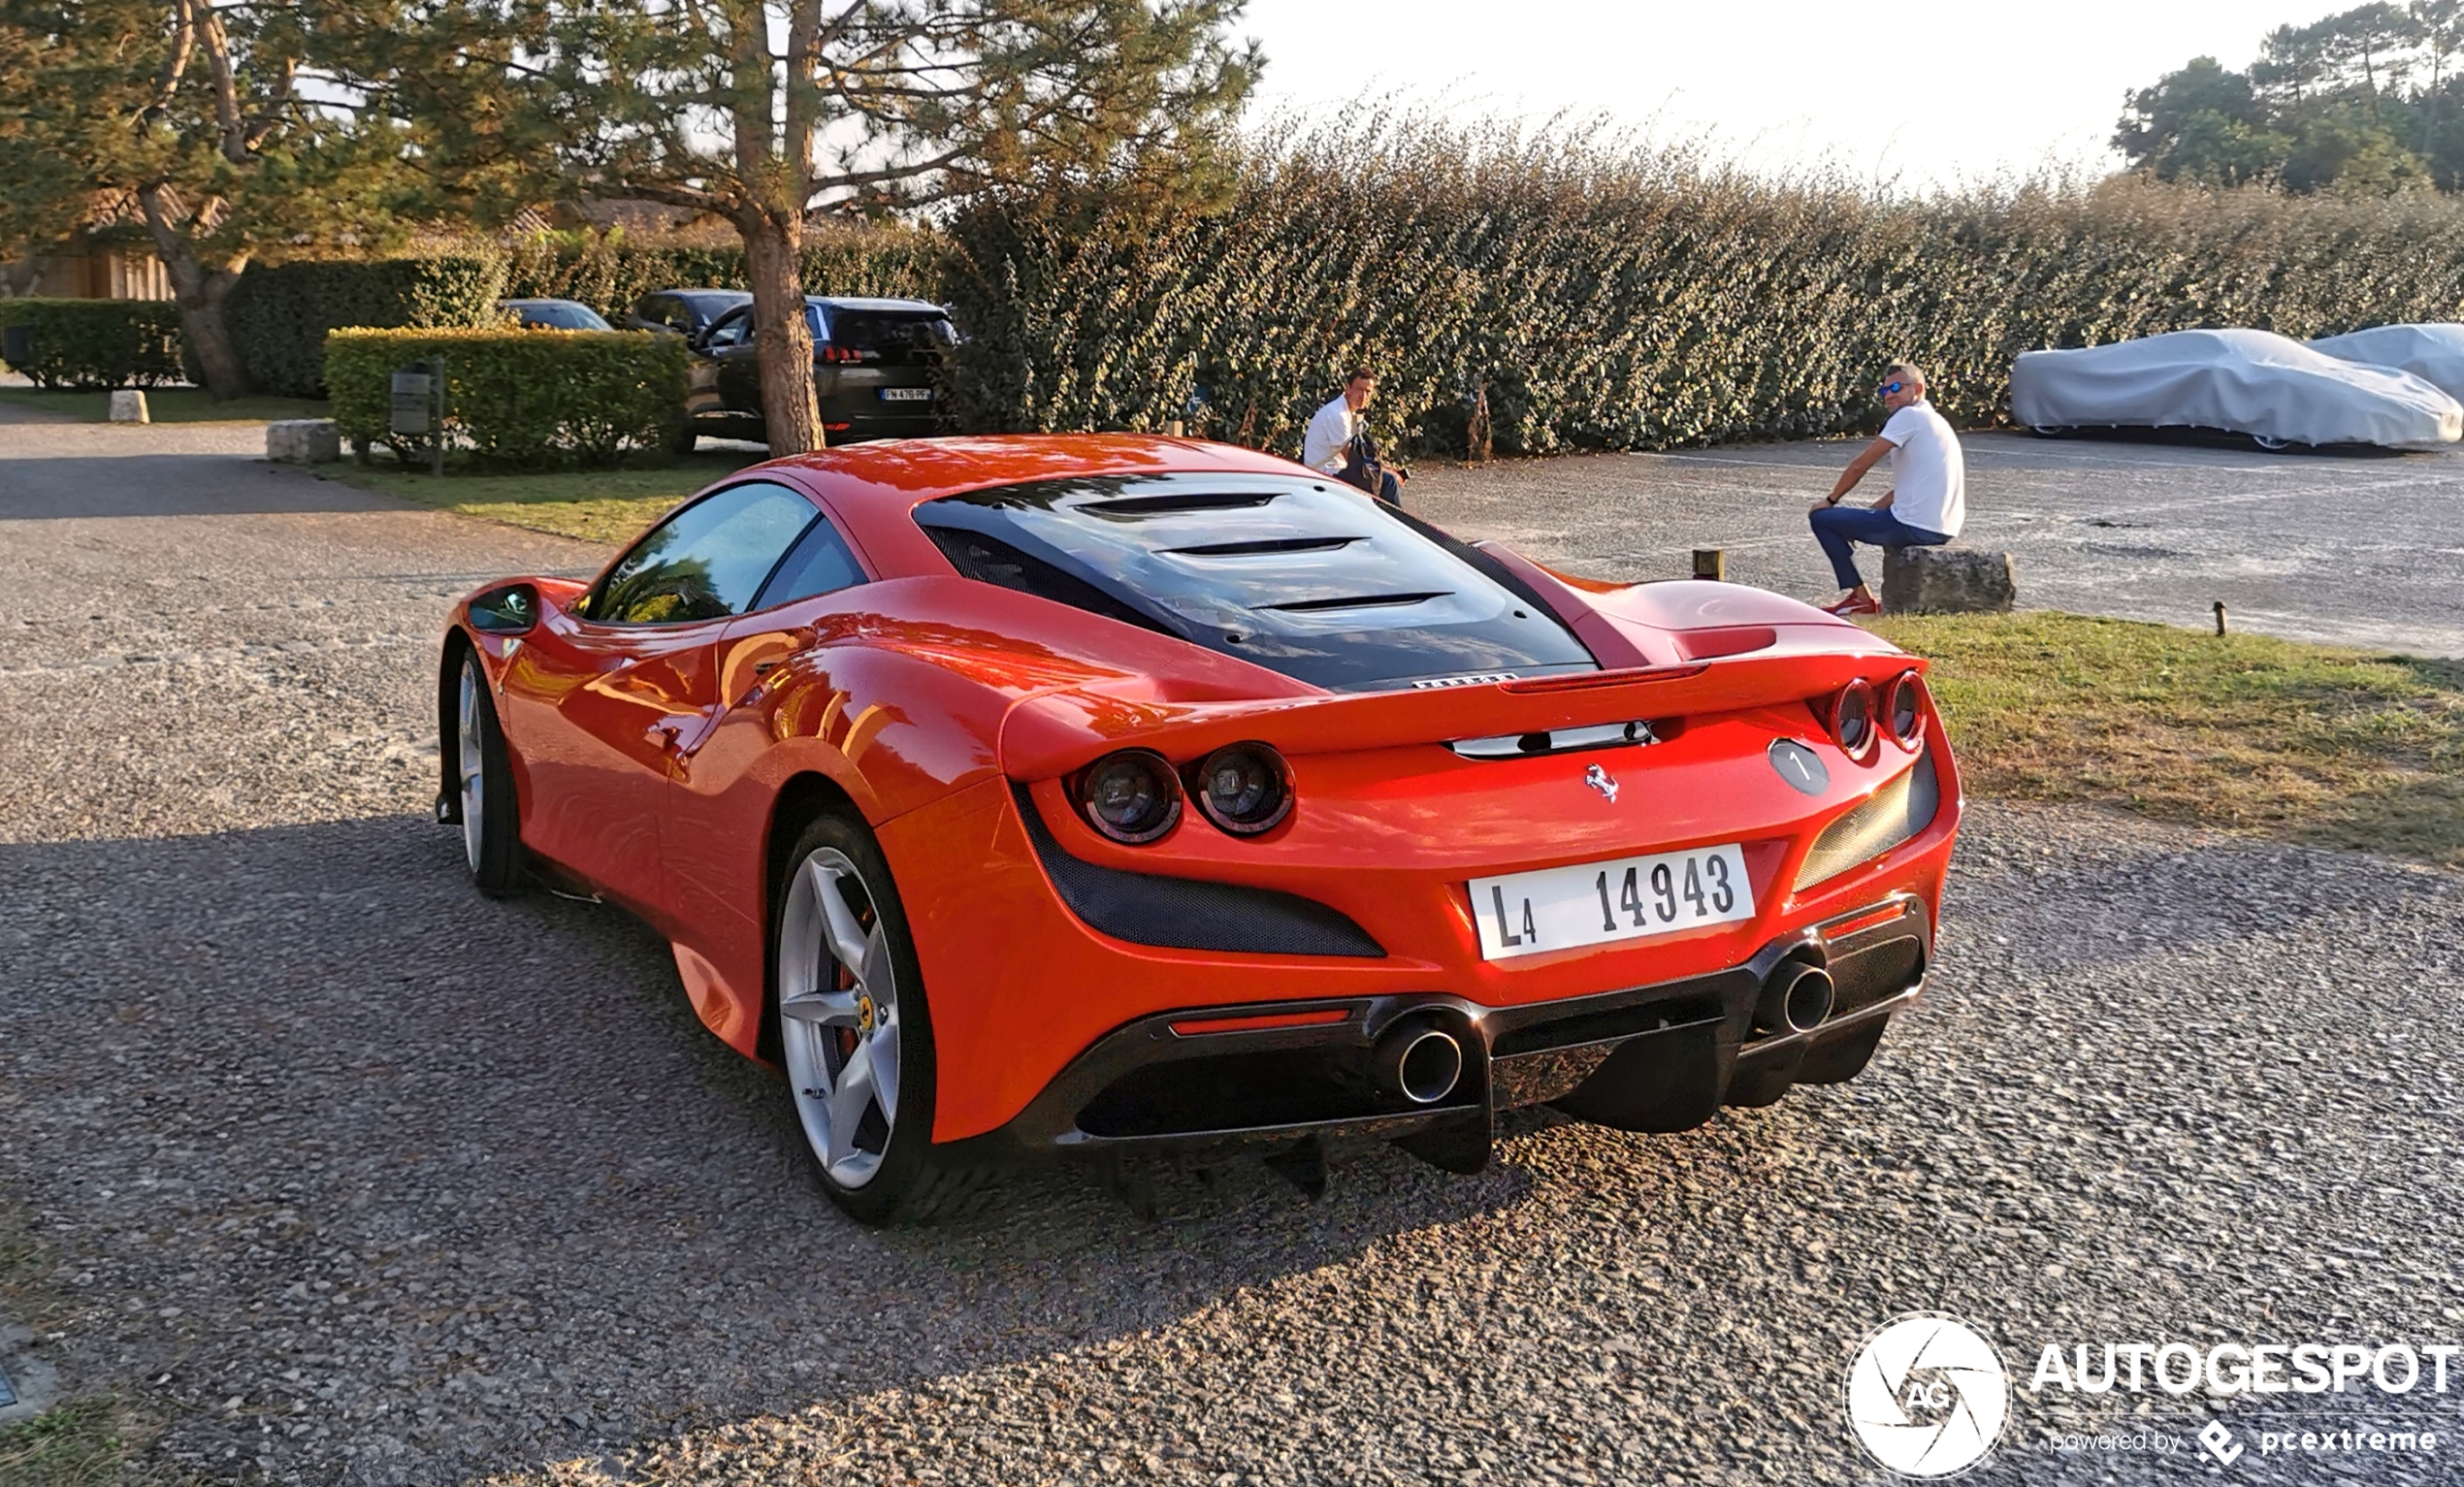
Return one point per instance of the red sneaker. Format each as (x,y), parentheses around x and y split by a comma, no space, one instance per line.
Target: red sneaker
(1851,604)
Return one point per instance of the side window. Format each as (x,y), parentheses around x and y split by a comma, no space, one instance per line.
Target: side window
(729,330)
(706,562)
(820,564)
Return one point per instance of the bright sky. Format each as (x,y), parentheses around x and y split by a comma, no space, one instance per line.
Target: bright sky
(1923,92)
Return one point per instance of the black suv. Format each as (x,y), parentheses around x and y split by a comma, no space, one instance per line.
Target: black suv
(876,370)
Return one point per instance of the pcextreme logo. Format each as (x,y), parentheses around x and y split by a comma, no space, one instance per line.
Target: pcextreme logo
(1927,1395)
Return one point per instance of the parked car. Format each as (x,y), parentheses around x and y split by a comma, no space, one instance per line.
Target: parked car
(686,312)
(876,370)
(2252,384)
(2433,352)
(1107,793)
(554,315)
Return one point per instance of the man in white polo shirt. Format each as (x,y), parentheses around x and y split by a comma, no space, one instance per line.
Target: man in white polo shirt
(1329,443)
(1928,504)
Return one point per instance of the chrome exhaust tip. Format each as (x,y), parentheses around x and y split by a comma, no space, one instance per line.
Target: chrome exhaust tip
(1796,999)
(1418,1061)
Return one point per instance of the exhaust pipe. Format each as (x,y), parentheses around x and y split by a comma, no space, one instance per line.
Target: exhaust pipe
(1418,1061)
(1796,999)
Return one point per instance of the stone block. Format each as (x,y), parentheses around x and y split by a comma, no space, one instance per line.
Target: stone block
(1947,580)
(128,406)
(303,441)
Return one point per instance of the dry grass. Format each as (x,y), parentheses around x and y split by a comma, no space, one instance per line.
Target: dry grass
(75,1445)
(2306,743)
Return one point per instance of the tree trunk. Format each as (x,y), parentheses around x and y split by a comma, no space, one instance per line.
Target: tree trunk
(18,279)
(200,291)
(783,342)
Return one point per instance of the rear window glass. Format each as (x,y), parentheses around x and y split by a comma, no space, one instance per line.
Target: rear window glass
(884,330)
(1306,577)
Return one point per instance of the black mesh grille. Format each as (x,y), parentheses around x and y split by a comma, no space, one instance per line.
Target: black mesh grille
(1186,913)
(1898,812)
(1873,975)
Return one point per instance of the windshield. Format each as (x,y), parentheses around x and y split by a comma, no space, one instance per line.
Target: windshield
(553,316)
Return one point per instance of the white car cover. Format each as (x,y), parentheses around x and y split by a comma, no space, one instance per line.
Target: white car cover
(2433,353)
(2242,381)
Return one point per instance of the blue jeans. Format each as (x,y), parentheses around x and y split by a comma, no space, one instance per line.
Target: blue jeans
(1836,528)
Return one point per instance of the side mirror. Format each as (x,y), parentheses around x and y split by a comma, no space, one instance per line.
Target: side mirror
(507,611)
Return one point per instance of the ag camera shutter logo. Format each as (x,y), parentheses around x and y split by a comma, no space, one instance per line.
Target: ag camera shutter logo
(1927,1395)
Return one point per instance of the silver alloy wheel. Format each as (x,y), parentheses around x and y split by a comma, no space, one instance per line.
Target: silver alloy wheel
(472,761)
(838,1017)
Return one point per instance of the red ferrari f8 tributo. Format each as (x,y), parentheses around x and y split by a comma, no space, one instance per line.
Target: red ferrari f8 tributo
(1037,794)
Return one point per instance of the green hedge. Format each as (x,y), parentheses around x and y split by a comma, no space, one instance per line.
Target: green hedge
(521,398)
(278,316)
(609,273)
(96,344)
(1622,300)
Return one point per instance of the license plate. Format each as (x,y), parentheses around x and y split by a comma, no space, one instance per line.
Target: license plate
(1598,903)
(906,394)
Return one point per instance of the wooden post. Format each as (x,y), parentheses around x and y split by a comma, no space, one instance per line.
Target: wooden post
(439,386)
(2219,617)
(1711,563)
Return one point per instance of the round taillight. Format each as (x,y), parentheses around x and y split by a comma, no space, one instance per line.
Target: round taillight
(1130,796)
(1904,710)
(1852,718)
(1244,789)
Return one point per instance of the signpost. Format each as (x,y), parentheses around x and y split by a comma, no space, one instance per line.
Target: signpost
(419,406)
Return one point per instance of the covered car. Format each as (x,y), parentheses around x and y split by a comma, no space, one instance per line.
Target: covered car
(1107,793)
(2256,383)
(2433,352)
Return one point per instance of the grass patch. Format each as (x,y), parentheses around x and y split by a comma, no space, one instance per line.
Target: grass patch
(2309,743)
(594,505)
(167,405)
(75,1445)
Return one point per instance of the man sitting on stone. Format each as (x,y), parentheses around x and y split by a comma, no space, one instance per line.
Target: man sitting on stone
(1338,442)
(1927,502)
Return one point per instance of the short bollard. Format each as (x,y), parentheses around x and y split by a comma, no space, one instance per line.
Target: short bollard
(128,406)
(1711,563)
(2219,617)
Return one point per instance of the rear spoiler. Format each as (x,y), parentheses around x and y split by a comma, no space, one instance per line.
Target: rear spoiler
(1054,732)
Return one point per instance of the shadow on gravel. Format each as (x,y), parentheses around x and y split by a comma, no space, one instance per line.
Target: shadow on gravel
(127,485)
(432,1183)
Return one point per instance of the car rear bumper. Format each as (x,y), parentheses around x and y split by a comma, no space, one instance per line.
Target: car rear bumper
(1657,1057)
(1054,978)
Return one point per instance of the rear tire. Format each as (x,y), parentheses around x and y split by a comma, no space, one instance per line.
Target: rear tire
(490,815)
(855,1034)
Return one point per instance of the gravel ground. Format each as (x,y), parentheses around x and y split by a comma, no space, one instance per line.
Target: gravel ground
(2356,550)
(336,1172)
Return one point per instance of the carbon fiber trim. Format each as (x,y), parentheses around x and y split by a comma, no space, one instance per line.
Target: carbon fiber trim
(1189,913)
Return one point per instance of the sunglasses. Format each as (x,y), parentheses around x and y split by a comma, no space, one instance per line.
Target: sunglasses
(1887,388)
